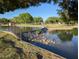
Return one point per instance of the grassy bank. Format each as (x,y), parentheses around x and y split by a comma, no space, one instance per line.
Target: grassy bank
(50,26)
(46,25)
(11,47)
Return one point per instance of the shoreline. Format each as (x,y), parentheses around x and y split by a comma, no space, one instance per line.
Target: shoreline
(62,28)
(49,26)
(41,50)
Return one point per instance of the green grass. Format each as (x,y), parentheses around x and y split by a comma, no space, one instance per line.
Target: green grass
(46,25)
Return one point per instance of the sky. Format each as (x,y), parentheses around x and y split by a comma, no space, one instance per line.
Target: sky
(45,10)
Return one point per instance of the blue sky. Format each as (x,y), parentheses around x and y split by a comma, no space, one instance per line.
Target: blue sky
(45,10)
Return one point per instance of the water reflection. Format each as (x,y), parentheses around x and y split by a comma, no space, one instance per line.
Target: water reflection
(65,35)
(67,42)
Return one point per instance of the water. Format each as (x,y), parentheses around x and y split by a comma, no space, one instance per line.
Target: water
(66,41)
(67,44)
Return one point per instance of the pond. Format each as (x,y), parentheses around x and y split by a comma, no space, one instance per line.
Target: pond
(66,41)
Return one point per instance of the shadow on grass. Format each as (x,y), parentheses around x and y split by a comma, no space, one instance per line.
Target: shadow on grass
(6,43)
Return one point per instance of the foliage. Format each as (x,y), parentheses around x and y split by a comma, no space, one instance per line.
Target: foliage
(4,20)
(23,18)
(38,20)
(69,10)
(54,20)
(10,5)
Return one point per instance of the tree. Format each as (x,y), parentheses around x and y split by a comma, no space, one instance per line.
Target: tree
(10,5)
(53,20)
(23,18)
(17,20)
(4,20)
(26,17)
(38,20)
(69,10)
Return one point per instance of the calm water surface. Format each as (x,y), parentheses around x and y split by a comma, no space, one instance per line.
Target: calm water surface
(67,44)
